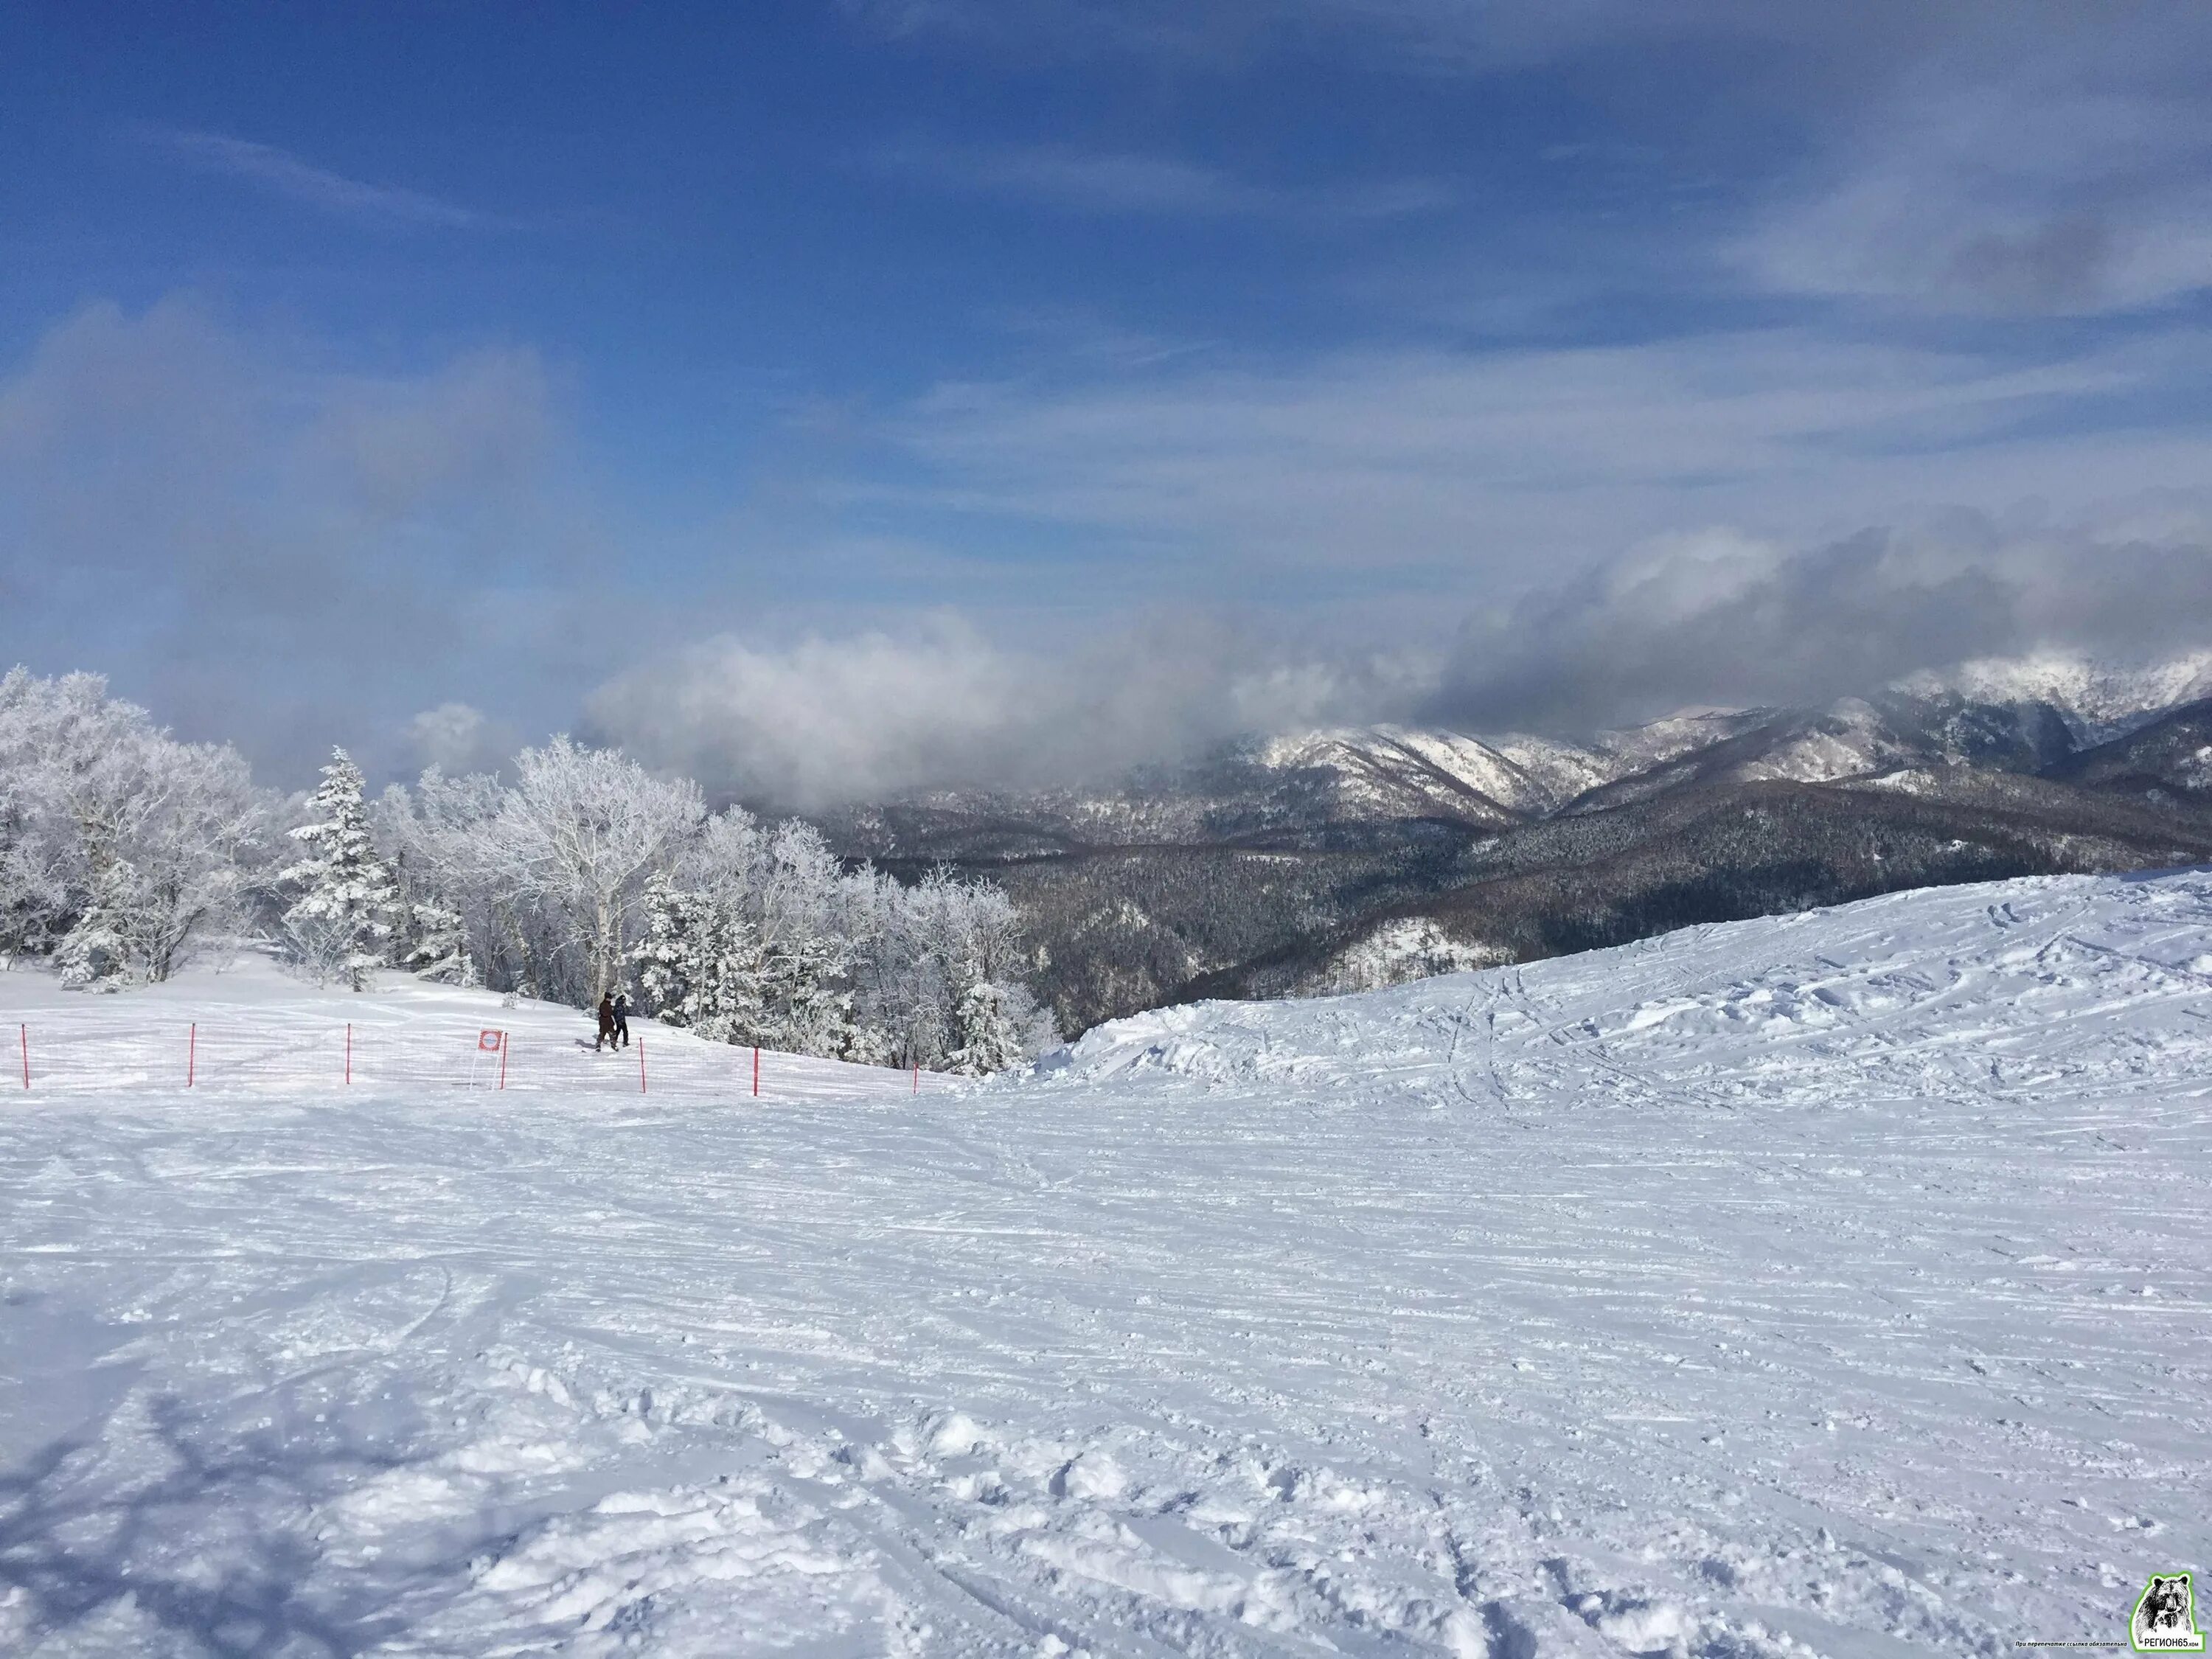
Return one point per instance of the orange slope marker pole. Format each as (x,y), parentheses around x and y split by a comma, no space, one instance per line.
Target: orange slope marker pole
(191,1053)
(640,1065)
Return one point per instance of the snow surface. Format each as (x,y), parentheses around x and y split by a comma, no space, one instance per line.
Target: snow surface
(1832,1283)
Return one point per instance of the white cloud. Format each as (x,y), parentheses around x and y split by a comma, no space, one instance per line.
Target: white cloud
(1426,36)
(281,172)
(270,548)
(2049,188)
(1105,182)
(835,717)
(1081,181)
(457,737)
(1718,616)
(1491,468)
(1715,616)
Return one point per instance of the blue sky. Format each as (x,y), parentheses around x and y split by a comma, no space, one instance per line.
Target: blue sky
(834,398)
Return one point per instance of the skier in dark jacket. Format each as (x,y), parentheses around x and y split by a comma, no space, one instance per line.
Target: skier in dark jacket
(622,1017)
(606,1020)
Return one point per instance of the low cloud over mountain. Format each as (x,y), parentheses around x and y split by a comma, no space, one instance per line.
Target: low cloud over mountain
(1716,619)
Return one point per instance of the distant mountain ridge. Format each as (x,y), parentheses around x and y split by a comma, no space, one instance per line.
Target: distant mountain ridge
(1345,857)
(2098,700)
(2018,715)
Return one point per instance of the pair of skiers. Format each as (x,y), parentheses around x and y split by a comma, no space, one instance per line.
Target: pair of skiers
(614,1021)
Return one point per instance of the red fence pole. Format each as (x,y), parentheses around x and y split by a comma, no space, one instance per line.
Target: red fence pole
(640,1065)
(24,1031)
(503,1042)
(755,1072)
(348,1053)
(193,1054)
(917,1077)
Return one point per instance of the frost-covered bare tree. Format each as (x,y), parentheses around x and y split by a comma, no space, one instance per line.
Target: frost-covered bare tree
(439,842)
(120,848)
(547,874)
(581,831)
(192,838)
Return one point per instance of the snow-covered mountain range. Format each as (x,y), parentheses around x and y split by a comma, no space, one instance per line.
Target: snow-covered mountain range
(1337,858)
(2034,710)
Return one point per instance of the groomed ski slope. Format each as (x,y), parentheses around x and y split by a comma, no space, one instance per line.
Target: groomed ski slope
(1835,1284)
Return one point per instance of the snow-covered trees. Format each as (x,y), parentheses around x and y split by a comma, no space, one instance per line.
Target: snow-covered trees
(959,996)
(672,959)
(936,943)
(437,945)
(342,924)
(587,867)
(121,849)
(579,833)
(991,1026)
(547,876)
(700,964)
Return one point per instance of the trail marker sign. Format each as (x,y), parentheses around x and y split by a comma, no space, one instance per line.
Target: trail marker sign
(489,1041)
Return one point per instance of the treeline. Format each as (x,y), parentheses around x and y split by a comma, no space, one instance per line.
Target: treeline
(122,851)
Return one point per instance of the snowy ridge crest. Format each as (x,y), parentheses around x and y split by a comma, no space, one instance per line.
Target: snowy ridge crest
(1396,770)
(2099,700)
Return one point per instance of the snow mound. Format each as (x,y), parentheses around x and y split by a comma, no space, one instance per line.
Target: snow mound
(1828,1284)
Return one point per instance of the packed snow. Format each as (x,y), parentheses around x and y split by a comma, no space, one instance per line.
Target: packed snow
(1832,1284)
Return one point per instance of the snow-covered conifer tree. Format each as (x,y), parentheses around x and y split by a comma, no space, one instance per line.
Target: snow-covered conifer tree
(438,945)
(733,977)
(667,958)
(96,952)
(343,919)
(808,1009)
(994,1026)
(700,964)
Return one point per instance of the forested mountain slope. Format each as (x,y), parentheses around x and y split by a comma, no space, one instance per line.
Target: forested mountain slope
(1352,858)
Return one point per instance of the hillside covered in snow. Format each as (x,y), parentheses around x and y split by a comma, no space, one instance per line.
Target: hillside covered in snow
(1835,1284)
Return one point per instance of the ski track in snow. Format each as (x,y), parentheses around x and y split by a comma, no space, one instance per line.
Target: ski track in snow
(1832,1283)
